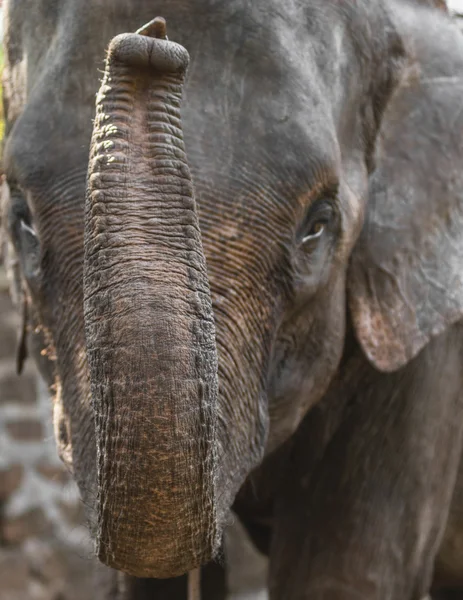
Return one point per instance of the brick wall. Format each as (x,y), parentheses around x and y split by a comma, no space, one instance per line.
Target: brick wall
(45,553)
(44,548)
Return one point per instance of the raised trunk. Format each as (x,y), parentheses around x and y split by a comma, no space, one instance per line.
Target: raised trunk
(149,322)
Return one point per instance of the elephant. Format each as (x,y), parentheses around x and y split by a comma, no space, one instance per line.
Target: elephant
(240,275)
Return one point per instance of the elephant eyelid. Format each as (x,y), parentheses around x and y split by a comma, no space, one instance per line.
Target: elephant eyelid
(316,235)
(19,211)
(29,251)
(14,186)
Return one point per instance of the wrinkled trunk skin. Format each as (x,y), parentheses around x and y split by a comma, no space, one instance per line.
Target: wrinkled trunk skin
(149,322)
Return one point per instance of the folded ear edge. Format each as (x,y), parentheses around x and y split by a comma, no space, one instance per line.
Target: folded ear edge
(388,345)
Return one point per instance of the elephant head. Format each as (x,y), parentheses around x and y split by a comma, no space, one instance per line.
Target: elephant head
(228,247)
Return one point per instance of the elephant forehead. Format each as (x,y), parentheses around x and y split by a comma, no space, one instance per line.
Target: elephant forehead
(263,161)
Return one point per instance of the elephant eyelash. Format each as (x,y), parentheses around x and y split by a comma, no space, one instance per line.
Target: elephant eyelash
(316,232)
(27,228)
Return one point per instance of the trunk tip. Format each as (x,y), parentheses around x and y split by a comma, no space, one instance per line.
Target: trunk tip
(149,562)
(156,28)
(149,49)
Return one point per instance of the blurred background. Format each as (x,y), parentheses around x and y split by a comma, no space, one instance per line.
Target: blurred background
(44,548)
(45,552)
(455,5)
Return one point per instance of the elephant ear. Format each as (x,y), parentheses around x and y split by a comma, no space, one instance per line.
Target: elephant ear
(406,271)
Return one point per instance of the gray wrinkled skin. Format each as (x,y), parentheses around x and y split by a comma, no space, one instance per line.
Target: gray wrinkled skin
(311,196)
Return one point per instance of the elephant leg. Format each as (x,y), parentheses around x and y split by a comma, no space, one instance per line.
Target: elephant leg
(213,582)
(367,523)
(213,586)
(246,566)
(133,588)
(448,571)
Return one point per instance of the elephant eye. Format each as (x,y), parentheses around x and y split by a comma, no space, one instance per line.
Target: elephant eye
(315,232)
(23,235)
(318,219)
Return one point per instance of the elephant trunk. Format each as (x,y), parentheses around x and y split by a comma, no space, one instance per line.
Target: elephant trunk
(149,321)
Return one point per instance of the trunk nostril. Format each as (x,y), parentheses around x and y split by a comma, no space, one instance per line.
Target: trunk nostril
(149,49)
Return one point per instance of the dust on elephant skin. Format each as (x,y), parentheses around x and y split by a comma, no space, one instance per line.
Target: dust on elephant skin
(241,278)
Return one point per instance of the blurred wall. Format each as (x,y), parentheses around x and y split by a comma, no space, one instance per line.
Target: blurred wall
(45,551)
(44,548)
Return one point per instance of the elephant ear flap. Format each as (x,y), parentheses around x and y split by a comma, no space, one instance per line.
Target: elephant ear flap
(406,271)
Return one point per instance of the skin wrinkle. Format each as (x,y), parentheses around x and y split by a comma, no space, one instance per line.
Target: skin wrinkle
(176,441)
(70,364)
(270,126)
